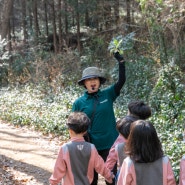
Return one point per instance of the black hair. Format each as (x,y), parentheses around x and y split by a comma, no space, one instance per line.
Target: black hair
(143,144)
(140,109)
(78,122)
(123,125)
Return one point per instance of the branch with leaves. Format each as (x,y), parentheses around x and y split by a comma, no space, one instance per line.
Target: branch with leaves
(121,43)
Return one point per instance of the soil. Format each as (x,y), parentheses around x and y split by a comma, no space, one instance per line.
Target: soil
(27,157)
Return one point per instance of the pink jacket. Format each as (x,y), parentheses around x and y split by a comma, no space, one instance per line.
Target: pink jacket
(127,174)
(62,170)
(182,171)
(112,158)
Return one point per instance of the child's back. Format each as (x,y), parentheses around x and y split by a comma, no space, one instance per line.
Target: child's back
(116,154)
(79,150)
(137,109)
(145,164)
(158,172)
(78,159)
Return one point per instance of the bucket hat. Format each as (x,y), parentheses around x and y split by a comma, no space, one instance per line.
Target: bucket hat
(91,72)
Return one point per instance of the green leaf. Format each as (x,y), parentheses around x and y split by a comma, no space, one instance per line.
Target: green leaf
(121,43)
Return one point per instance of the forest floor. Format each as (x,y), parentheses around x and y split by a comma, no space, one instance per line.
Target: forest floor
(27,157)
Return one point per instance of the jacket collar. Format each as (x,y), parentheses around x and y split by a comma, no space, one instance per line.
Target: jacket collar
(89,96)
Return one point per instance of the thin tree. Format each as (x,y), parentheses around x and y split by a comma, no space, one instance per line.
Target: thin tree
(128,18)
(30,16)
(87,17)
(59,15)
(24,21)
(107,14)
(54,26)
(116,12)
(66,16)
(36,23)
(78,25)
(7,12)
(46,17)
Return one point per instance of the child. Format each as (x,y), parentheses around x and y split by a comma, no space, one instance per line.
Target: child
(182,171)
(145,163)
(136,110)
(123,127)
(78,159)
(139,109)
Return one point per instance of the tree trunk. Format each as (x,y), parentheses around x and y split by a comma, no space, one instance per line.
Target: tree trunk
(59,25)
(24,21)
(13,25)
(54,26)
(78,26)
(116,12)
(46,17)
(7,11)
(87,17)
(9,45)
(30,15)
(107,15)
(36,24)
(128,15)
(66,17)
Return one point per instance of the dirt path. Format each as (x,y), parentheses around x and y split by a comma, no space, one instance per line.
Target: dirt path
(26,157)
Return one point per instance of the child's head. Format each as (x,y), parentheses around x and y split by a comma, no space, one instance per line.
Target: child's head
(78,122)
(143,144)
(139,109)
(123,125)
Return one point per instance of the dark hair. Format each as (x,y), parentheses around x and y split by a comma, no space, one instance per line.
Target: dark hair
(140,109)
(78,122)
(123,125)
(143,144)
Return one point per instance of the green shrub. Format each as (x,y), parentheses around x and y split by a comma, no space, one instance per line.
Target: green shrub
(167,101)
(45,112)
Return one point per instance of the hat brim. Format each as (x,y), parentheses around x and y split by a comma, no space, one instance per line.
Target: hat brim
(102,79)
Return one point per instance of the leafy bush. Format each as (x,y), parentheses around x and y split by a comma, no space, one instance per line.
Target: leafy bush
(4,57)
(167,97)
(167,101)
(45,112)
(140,79)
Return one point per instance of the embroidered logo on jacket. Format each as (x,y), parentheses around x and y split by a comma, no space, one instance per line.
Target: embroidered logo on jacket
(104,101)
(80,147)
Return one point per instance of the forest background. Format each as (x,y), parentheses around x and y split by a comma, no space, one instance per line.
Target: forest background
(45,45)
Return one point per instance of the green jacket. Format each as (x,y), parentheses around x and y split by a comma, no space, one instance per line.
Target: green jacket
(99,108)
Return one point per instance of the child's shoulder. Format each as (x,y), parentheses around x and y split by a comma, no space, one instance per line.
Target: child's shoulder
(166,159)
(92,145)
(129,161)
(120,146)
(64,146)
(69,143)
(183,158)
